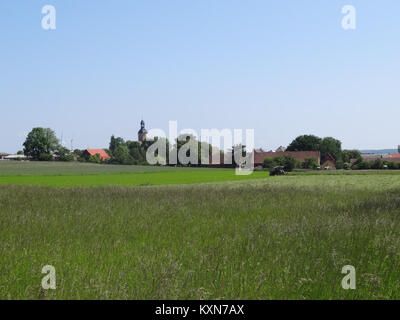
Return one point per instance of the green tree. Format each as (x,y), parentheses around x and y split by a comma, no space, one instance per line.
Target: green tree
(46,157)
(331,146)
(361,164)
(290,162)
(78,153)
(115,143)
(314,143)
(121,155)
(305,143)
(63,154)
(137,152)
(40,141)
(339,164)
(94,159)
(347,155)
(377,164)
(310,163)
(346,166)
(269,163)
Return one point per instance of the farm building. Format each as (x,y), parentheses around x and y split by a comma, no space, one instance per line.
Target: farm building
(369,157)
(260,155)
(15,157)
(3,155)
(328,162)
(92,152)
(299,155)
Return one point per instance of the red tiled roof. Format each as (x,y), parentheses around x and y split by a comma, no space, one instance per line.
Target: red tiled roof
(300,155)
(388,159)
(394,155)
(101,152)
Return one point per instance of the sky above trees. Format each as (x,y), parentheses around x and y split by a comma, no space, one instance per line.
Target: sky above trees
(283,68)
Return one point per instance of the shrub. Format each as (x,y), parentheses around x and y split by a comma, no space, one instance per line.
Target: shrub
(67,157)
(269,163)
(45,157)
(377,164)
(393,165)
(346,166)
(309,163)
(339,164)
(95,159)
(362,165)
(121,155)
(290,162)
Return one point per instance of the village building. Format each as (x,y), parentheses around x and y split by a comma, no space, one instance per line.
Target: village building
(370,157)
(3,155)
(328,162)
(142,133)
(15,157)
(299,155)
(281,149)
(259,156)
(92,152)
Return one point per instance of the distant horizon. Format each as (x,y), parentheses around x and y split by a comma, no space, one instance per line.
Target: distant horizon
(65,144)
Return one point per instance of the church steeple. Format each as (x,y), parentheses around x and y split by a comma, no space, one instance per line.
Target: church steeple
(142,132)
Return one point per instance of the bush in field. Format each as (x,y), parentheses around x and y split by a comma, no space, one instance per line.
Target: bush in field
(339,164)
(121,155)
(78,153)
(309,163)
(45,157)
(94,159)
(279,161)
(347,155)
(269,163)
(67,157)
(63,154)
(393,165)
(346,166)
(361,165)
(377,164)
(290,162)
(287,161)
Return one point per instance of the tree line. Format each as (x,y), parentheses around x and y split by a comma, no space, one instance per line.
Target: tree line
(42,144)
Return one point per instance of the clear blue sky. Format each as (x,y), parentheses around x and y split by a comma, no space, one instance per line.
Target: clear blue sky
(284,68)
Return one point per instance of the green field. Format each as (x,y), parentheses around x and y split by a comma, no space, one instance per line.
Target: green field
(73,175)
(266,238)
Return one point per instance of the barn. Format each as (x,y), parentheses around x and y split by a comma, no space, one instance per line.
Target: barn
(299,155)
(92,152)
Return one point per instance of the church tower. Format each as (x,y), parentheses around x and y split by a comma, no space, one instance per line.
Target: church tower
(142,132)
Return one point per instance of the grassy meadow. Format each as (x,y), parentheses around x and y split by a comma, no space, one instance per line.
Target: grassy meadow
(71,175)
(264,238)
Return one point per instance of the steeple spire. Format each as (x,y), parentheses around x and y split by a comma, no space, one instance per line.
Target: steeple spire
(142,132)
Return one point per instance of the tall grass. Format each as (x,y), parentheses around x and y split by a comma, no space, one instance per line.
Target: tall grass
(38,168)
(267,239)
